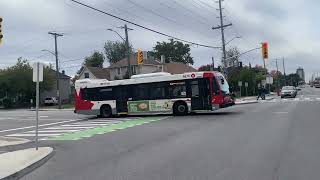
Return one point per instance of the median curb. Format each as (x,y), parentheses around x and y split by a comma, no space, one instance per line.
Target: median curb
(16,164)
(52,109)
(246,102)
(10,141)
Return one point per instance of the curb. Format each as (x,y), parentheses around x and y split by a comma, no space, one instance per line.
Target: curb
(19,174)
(52,109)
(11,141)
(247,102)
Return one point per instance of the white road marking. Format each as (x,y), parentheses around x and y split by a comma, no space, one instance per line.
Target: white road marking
(42,125)
(71,125)
(59,127)
(30,135)
(54,131)
(296,99)
(280,112)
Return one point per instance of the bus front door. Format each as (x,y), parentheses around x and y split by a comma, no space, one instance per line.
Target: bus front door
(200,94)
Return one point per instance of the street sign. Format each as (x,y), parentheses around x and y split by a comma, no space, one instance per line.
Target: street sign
(263,83)
(37,66)
(246,84)
(240,83)
(269,80)
(37,77)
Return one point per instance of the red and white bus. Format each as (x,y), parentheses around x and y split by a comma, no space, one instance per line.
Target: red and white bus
(154,93)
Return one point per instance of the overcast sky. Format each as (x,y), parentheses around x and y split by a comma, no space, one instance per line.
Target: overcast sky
(289,26)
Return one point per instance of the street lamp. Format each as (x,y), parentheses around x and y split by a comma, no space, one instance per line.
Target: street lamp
(49,51)
(237,37)
(116,33)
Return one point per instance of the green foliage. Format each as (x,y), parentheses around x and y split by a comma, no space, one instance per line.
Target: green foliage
(95,60)
(16,83)
(116,50)
(174,51)
(205,67)
(246,74)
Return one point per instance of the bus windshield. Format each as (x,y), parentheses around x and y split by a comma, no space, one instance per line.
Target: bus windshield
(224,86)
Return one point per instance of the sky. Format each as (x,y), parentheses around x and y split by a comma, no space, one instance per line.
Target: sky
(289,26)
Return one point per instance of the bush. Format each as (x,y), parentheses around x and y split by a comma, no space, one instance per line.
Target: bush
(7,103)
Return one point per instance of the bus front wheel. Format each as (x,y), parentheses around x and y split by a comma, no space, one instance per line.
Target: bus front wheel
(180,108)
(105,111)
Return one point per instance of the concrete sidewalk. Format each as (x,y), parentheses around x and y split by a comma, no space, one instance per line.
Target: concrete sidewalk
(15,164)
(253,99)
(52,109)
(10,141)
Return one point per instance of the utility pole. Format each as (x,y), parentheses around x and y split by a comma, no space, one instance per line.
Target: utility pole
(57,67)
(284,72)
(221,27)
(212,68)
(128,49)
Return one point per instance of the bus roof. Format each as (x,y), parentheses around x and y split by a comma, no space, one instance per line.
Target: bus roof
(143,78)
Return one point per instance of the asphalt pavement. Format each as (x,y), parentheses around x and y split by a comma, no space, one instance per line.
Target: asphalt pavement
(276,139)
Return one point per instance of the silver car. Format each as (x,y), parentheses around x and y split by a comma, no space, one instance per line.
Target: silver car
(288,91)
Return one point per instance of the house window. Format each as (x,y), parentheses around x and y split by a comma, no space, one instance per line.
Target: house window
(86,75)
(119,71)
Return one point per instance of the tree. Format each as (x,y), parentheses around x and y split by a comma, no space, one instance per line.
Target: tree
(116,50)
(95,60)
(232,56)
(205,67)
(174,51)
(16,82)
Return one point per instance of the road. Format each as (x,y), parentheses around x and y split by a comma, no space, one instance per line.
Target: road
(276,139)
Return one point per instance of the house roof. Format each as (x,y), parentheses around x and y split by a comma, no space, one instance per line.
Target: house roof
(61,75)
(133,61)
(178,68)
(100,73)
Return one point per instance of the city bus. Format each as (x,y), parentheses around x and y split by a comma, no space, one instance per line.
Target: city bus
(154,93)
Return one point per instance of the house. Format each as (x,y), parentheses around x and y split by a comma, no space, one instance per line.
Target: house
(94,73)
(119,69)
(64,86)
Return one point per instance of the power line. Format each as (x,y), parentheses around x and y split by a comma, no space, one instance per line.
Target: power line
(149,29)
(70,60)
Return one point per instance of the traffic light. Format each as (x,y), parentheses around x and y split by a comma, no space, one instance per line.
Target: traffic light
(265,54)
(139,57)
(1,36)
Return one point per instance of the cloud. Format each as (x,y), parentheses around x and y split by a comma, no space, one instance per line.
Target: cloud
(288,26)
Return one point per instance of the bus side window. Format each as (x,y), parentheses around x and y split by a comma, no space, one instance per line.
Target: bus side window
(178,91)
(106,94)
(141,92)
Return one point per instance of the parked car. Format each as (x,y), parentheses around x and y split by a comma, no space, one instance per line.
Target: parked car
(288,91)
(51,101)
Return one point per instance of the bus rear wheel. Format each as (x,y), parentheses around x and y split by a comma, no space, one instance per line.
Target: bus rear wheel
(105,111)
(180,109)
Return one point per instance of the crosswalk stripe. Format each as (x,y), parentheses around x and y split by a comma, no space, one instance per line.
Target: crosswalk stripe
(30,135)
(93,123)
(81,125)
(55,128)
(54,131)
